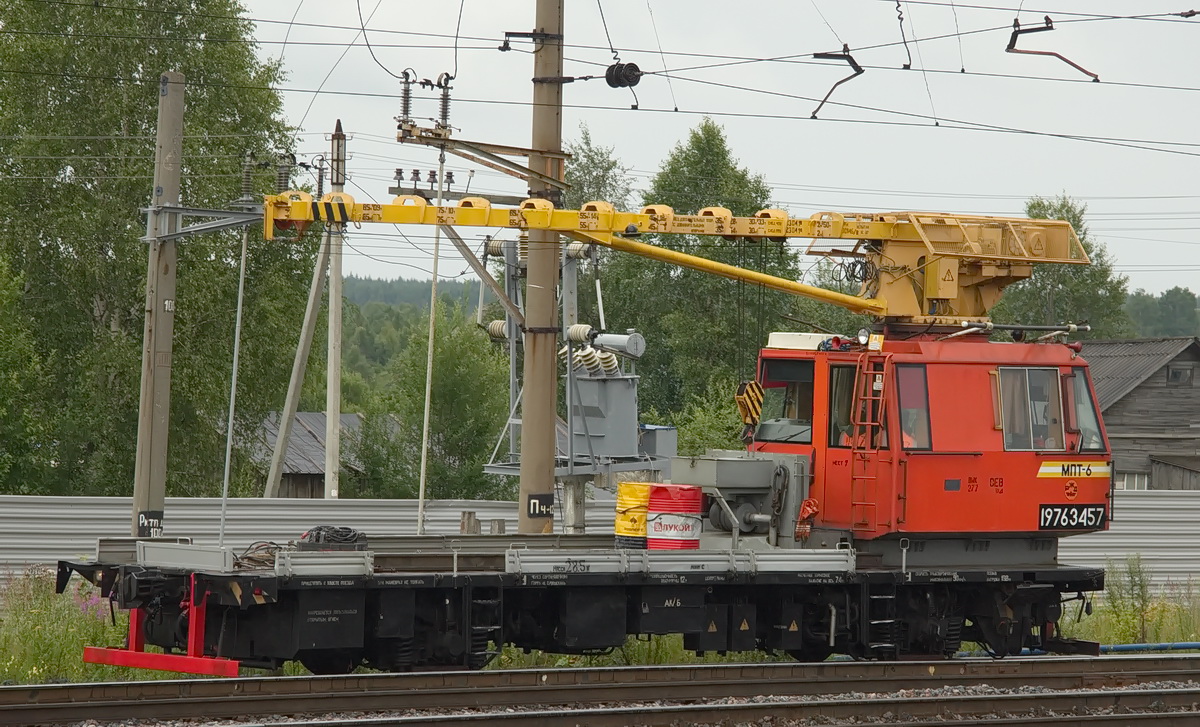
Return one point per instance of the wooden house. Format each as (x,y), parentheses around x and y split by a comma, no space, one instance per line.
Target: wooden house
(304,460)
(1149,394)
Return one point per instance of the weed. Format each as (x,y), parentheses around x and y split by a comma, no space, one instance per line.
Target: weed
(1132,611)
(636,651)
(42,634)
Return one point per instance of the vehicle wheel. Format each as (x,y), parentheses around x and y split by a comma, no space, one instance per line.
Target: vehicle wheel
(328,662)
(811,652)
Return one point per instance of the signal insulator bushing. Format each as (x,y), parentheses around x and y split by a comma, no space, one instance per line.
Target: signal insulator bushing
(623,75)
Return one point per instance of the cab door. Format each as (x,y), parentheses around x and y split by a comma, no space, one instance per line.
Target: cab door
(835,469)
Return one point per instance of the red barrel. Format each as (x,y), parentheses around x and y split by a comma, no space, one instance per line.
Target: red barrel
(673,517)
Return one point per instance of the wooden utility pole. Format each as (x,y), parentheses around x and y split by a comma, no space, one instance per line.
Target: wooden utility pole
(333,381)
(539,410)
(154,404)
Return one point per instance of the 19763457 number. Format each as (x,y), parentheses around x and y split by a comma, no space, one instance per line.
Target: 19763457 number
(1071,517)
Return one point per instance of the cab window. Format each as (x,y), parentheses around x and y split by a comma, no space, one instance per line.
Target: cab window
(787,409)
(914,406)
(841,395)
(1031,409)
(1086,421)
(841,406)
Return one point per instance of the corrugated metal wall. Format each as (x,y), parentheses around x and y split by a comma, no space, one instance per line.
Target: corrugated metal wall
(48,529)
(1161,526)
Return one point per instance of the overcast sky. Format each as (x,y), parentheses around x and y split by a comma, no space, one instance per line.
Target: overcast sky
(875,147)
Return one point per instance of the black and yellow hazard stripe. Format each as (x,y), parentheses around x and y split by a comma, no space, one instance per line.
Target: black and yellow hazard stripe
(330,211)
(749,398)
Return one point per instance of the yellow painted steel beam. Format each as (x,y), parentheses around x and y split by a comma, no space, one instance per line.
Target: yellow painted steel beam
(933,267)
(946,235)
(536,214)
(873,306)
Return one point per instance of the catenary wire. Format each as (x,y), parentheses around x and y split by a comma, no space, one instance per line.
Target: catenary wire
(804,58)
(1074,14)
(288,34)
(332,69)
(661,55)
(363,29)
(95,4)
(457,29)
(968,125)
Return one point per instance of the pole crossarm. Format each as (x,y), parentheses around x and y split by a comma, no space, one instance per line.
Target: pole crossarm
(225,220)
(486,154)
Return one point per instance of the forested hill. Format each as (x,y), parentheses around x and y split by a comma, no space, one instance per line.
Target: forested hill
(361,291)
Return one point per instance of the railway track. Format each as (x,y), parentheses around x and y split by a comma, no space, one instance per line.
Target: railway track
(664,694)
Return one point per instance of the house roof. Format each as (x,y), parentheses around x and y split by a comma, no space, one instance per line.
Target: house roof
(305,453)
(1187,463)
(1119,366)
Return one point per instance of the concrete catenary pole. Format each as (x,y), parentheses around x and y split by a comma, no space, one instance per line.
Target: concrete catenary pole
(538,435)
(333,382)
(154,404)
(300,363)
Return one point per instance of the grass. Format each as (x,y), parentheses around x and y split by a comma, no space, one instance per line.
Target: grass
(636,651)
(42,634)
(1132,611)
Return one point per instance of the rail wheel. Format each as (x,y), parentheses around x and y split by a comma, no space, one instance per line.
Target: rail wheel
(328,662)
(812,651)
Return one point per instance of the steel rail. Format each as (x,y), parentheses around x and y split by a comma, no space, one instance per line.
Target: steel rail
(1060,709)
(214,698)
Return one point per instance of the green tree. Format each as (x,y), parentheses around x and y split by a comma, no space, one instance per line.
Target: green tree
(1055,294)
(402,291)
(1178,313)
(698,326)
(470,405)
(1172,313)
(77,124)
(594,173)
(381,454)
(26,451)
(1144,312)
(709,420)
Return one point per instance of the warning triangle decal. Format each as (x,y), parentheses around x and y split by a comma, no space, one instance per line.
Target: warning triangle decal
(744,627)
(792,627)
(712,627)
(948,277)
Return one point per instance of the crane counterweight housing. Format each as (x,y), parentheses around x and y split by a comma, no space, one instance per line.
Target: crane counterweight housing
(902,491)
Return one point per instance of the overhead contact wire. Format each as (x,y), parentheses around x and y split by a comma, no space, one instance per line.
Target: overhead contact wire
(924,75)
(900,16)
(366,39)
(662,56)
(334,67)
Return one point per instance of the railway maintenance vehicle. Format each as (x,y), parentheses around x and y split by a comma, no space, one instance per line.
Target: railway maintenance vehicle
(903,489)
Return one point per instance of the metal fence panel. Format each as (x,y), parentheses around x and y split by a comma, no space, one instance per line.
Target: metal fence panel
(47,529)
(1158,525)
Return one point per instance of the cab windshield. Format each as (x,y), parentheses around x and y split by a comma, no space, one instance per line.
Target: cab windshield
(787,408)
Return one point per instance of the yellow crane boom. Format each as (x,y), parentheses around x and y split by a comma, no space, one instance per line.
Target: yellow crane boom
(920,267)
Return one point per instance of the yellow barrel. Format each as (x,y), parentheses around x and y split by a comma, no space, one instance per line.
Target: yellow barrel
(630,525)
